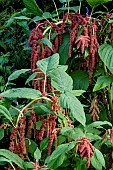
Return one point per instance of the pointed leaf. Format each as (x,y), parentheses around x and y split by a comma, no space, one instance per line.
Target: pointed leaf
(106,55)
(64,49)
(37,154)
(27,93)
(48,64)
(47,42)
(55,163)
(61,80)
(17,73)
(31,77)
(99,158)
(68,100)
(98,124)
(5,112)
(102,82)
(12,157)
(32,7)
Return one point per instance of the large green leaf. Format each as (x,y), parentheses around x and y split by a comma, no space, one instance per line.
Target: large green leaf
(5,112)
(94,3)
(80,80)
(106,55)
(21,93)
(98,159)
(17,73)
(102,82)
(32,7)
(68,100)
(12,157)
(61,150)
(61,80)
(64,49)
(48,64)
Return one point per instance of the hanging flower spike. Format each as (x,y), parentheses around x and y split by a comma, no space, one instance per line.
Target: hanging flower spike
(82,41)
(85,149)
(94,110)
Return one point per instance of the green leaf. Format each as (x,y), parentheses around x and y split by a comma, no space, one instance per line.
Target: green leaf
(27,93)
(47,42)
(72,133)
(98,124)
(12,157)
(48,64)
(61,150)
(55,163)
(38,124)
(106,55)
(22,18)
(17,73)
(32,146)
(73,8)
(5,112)
(99,159)
(3,159)
(64,49)
(61,80)
(93,136)
(94,3)
(68,100)
(37,154)
(44,143)
(31,77)
(77,92)
(33,7)
(28,165)
(102,82)
(1,134)
(47,15)
(80,80)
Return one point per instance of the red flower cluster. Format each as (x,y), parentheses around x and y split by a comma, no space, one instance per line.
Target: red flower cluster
(86,149)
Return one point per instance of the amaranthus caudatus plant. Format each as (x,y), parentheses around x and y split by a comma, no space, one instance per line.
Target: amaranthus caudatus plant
(64,121)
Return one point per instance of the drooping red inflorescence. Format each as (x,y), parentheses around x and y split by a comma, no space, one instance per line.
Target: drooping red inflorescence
(85,149)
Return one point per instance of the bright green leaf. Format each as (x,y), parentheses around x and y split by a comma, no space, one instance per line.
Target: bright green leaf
(69,101)
(37,154)
(48,64)
(27,93)
(77,92)
(61,80)
(106,55)
(22,18)
(12,157)
(102,82)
